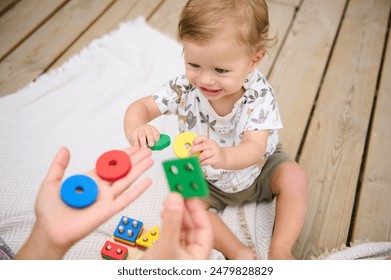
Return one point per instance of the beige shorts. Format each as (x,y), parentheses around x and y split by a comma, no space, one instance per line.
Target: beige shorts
(259,190)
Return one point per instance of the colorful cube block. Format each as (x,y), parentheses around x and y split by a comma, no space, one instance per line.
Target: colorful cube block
(128,230)
(113,251)
(148,239)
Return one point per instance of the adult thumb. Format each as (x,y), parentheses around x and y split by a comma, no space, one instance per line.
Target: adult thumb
(172,219)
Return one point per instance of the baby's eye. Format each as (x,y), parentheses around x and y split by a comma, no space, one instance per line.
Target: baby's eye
(194,65)
(221,71)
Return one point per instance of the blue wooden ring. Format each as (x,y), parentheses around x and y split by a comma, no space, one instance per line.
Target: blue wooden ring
(79,191)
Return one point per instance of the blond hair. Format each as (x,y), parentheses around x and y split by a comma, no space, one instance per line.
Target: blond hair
(201,20)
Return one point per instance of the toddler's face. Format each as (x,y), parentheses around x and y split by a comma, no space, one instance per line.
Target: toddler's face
(219,67)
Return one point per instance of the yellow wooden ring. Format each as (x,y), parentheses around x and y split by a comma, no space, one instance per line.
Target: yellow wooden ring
(183,144)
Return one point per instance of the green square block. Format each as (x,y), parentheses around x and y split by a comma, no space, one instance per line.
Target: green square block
(185,176)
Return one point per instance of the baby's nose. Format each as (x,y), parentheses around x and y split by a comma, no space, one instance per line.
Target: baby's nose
(205,79)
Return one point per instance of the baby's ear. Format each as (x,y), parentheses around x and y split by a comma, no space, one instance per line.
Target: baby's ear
(257,59)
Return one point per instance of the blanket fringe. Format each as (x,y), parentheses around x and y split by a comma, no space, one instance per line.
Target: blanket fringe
(341,248)
(247,235)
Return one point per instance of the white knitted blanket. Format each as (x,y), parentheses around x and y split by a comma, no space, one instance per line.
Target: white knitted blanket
(81,105)
(360,251)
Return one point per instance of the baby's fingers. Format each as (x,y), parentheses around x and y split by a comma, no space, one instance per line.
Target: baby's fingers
(152,136)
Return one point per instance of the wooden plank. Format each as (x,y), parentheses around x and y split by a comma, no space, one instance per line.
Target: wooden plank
(166,18)
(299,68)
(280,18)
(19,22)
(293,3)
(120,11)
(6,4)
(335,140)
(32,57)
(373,220)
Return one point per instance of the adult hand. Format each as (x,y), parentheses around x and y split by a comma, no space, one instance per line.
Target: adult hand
(186,231)
(59,226)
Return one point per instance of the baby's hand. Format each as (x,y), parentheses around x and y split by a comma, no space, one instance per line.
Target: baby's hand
(144,136)
(210,152)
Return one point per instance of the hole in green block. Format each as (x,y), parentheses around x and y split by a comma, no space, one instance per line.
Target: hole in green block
(174,170)
(179,188)
(194,186)
(189,167)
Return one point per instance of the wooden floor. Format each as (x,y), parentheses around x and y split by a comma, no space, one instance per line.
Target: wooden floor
(329,70)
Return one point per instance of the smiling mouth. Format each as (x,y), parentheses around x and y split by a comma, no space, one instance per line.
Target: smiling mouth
(210,92)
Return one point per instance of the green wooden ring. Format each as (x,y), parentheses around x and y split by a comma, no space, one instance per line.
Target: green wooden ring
(162,143)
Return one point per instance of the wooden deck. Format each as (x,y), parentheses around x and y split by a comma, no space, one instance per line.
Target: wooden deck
(329,70)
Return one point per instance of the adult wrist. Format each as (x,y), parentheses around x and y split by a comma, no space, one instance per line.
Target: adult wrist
(39,247)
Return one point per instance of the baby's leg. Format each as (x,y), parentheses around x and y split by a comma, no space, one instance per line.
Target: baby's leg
(290,183)
(226,242)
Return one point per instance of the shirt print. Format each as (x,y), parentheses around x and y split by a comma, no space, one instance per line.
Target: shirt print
(257,109)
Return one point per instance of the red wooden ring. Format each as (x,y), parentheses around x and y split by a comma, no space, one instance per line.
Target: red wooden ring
(113,165)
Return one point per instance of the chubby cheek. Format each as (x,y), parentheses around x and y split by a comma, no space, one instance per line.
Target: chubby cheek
(191,76)
(232,86)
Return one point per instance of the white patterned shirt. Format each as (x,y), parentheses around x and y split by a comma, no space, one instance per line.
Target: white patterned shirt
(256,110)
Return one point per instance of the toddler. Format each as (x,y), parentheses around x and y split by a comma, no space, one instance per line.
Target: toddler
(228,103)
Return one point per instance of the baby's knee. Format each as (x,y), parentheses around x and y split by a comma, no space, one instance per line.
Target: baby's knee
(290,178)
